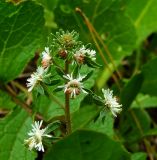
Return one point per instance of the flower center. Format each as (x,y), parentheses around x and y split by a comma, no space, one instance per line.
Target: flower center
(67,40)
(74,84)
(73,87)
(38,137)
(79,58)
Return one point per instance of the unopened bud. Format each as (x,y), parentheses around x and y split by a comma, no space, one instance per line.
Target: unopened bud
(63,54)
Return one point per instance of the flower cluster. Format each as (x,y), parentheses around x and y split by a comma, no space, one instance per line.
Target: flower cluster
(36,137)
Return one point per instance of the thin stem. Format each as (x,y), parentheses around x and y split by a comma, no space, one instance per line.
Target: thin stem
(137,64)
(107,51)
(113,76)
(67,104)
(101,41)
(97,45)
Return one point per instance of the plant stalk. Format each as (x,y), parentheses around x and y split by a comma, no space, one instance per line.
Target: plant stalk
(67,104)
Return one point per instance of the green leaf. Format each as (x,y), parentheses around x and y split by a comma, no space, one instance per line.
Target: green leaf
(144,16)
(97,100)
(39,88)
(54,82)
(60,71)
(5,101)
(105,126)
(47,107)
(83,116)
(130,91)
(150,79)
(151,132)
(87,145)
(144,101)
(91,63)
(87,76)
(58,89)
(76,71)
(13,131)
(134,124)
(52,126)
(139,156)
(50,109)
(20,36)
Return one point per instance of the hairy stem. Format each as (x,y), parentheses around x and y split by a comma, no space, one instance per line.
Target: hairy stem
(67,104)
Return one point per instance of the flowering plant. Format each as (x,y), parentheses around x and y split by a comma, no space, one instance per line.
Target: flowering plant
(84,92)
(68,50)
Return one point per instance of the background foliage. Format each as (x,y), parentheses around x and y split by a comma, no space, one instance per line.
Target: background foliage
(128,30)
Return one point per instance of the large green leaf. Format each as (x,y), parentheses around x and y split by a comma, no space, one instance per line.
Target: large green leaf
(20,36)
(13,131)
(87,145)
(84,116)
(144,16)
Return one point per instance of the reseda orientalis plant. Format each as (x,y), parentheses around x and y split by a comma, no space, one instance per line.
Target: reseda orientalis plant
(59,70)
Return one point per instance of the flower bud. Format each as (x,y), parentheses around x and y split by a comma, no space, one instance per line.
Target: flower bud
(63,54)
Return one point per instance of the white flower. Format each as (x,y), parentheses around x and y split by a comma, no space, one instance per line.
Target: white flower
(111,102)
(91,54)
(35,78)
(36,136)
(46,58)
(82,52)
(73,86)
